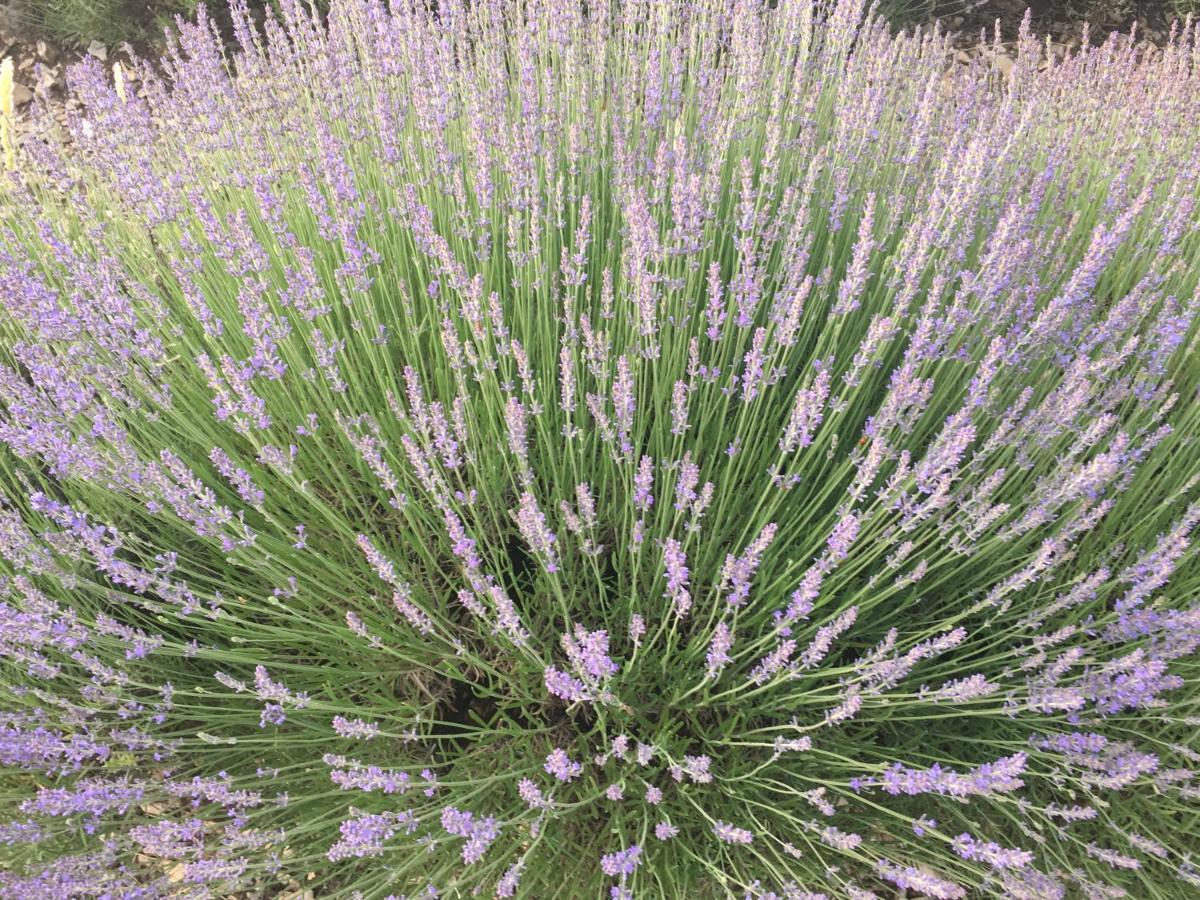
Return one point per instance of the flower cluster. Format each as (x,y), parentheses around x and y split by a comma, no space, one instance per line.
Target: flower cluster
(650,449)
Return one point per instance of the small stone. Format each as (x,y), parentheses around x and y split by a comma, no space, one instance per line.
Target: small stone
(49,77)
(21,94)
(1003,65)
(98,50)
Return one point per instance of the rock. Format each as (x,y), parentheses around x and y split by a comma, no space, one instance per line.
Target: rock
(1003,64)
(98,50)
(50,54)
(50,78)
(21,94)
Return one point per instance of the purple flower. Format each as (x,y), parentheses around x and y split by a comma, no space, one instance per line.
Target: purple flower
(622,863)
(843,536)
(969,847)
(731,834)
(272,714)
(922,881)
(807,413)
(624,403)
(773,662)
(920,825)
(540,539)
(679,409)
(531,794)
(675,563)
(364,834)
(834,837)
(562,685)
(479,832)
(588,652)
(718,649)
(508,883)
(643,484)
(739,570)
(637,629)
(356,729)
(1001,776)
(562,766)
(518,435)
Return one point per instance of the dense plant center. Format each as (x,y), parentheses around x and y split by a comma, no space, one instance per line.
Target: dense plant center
(658,449)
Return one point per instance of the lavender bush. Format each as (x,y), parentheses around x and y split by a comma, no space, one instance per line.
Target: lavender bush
(542,449)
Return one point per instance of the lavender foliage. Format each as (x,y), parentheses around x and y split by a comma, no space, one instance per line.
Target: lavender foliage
(669,448)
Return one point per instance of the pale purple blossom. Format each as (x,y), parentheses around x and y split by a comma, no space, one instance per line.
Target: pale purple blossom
(531,794)
(731,834)
(719,645)
(675,564)
(924,882)
(540,539)
(622,863)
(358,729)
(562,766)
(991,853)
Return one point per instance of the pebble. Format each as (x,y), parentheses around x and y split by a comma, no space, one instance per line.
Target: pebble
(21,94)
